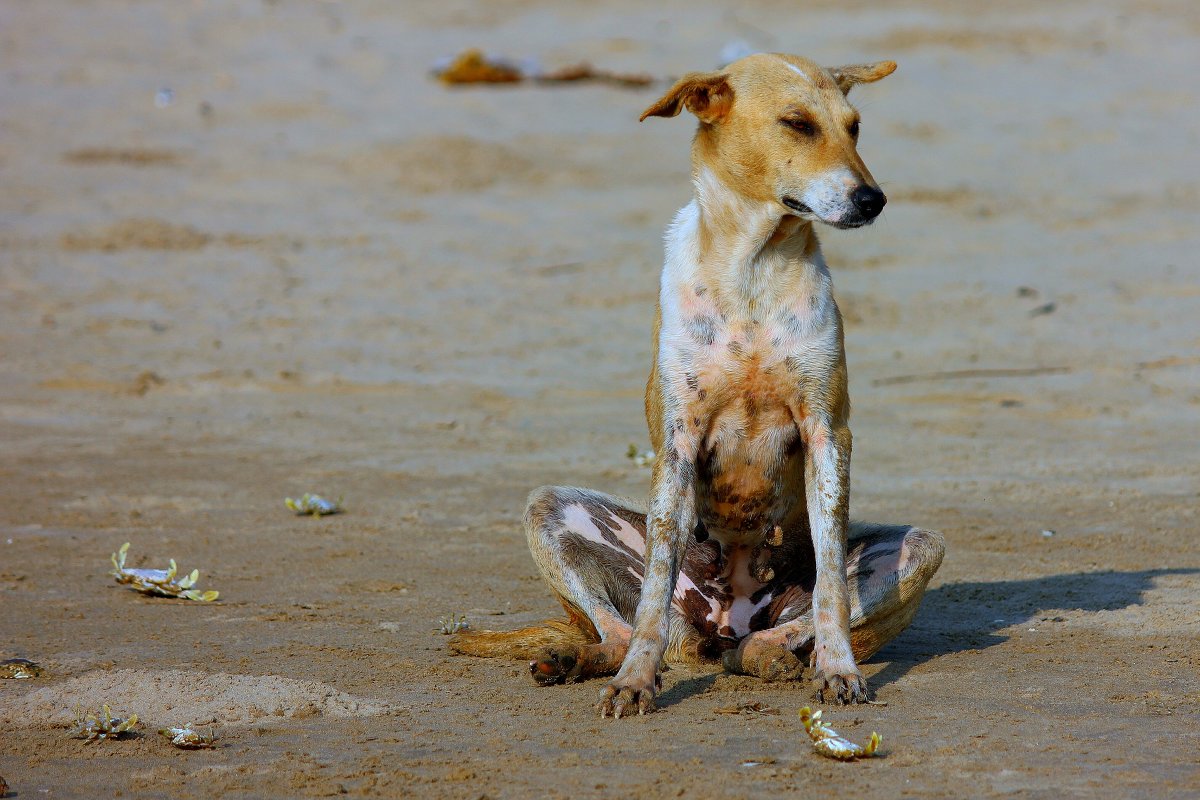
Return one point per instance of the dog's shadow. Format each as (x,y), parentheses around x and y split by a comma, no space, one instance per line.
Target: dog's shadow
(966,616)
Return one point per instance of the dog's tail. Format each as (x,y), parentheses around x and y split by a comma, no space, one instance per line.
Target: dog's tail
(524,643)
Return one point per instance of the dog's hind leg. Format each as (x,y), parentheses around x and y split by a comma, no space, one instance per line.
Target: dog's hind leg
(590,548)
(887,570)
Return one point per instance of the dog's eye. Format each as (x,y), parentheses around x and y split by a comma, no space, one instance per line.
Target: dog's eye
(853,129)
(802,126)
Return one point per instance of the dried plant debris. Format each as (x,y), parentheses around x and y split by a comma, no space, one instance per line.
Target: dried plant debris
(189,739)
(473,66)
(161,582)
(19,668)
(831,744)
(453,624)
(584,71)
(94,727)
(313,505)
(641,458)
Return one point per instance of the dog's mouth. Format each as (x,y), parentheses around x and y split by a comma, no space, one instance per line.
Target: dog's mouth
(844,224)
(796,205)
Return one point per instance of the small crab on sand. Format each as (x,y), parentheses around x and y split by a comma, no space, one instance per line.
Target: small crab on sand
(313,505)
(448,626)
(94,727)
(189,739)
(19,668)
(829,743)
(161,582)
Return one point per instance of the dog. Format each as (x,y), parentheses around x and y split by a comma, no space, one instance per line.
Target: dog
(746,555)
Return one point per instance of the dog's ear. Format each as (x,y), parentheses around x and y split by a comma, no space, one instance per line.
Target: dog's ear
(708,95)
(852,74)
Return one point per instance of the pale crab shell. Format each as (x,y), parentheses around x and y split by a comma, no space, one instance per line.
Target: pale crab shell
(189,739)
(314,505)
(18,669)
(94,727)
(159,582)
(829,743)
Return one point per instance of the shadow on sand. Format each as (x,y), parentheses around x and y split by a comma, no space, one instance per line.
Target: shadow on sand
(966,616)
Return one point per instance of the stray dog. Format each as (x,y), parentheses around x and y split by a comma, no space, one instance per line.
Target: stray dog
(746,555)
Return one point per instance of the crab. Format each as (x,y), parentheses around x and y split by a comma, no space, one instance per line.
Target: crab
(453,624)
(19,668)
(94,727)
(189,739)
(161,582)
(831,744)
(313,504)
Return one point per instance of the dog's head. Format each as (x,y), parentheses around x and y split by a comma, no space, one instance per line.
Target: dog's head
(778,128)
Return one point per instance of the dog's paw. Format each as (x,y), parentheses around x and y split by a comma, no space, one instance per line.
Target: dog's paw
(556,665)
(624,696)
(845,688)
(771,662)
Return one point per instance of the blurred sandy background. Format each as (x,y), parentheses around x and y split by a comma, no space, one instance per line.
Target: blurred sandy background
(252,249)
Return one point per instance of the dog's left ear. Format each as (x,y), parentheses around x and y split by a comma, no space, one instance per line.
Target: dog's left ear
(852,74)
(708,95)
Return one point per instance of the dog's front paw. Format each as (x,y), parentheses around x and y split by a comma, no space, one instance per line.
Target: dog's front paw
(766,660)
(840,687)
(626,694)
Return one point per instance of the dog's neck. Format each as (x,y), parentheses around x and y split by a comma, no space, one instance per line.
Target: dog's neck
(753,253)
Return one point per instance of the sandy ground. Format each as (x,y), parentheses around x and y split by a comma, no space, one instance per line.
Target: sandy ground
(315,269)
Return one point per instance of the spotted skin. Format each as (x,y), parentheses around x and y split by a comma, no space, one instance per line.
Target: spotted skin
(590,548)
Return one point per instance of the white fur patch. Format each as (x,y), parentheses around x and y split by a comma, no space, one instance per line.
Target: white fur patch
(798,71)
(829,195)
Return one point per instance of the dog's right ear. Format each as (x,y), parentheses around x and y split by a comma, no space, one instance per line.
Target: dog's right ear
(708,95)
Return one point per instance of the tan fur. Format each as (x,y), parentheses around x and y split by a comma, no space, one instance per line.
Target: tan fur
(524,643)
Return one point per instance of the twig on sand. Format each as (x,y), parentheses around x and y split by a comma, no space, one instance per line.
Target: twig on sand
(957,374)
(1169,361)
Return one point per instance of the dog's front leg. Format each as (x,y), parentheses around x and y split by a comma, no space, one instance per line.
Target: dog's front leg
(672,517)
(827,489)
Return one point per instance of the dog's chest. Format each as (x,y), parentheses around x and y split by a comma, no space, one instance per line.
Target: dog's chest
(740,388)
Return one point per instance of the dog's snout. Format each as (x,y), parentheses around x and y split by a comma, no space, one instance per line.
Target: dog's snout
(868,200)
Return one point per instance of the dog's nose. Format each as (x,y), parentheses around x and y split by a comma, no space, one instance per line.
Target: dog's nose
(869,201)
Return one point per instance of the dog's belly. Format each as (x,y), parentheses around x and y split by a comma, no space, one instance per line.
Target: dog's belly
(747,486)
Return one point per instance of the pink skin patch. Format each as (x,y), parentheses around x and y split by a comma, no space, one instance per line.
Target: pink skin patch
(737,617)
(883,562)
(730,606)
(579,520)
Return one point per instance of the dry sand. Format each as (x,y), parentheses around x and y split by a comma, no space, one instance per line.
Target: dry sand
(315,269)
